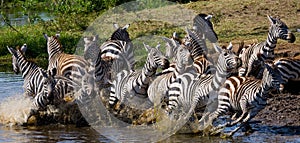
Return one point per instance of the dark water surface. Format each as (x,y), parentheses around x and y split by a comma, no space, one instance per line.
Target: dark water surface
(11,85)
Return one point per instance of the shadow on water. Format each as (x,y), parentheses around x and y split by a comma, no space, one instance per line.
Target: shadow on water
(50,133)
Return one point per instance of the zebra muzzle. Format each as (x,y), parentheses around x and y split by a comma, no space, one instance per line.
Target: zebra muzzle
(291,37)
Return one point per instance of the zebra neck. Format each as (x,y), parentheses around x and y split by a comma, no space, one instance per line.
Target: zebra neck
(218,78)
(265,86)
(180,67)
(149,69)
(26,67)
(54,52)
(271,41)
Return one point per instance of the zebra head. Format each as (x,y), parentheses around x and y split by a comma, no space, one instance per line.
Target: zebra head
(228,61)
(49,82)
(121,33)
(53,44)
(202,24)
(272,76)
(171,45)
(88,79)
(156,58)
(183,57)
(16,54)
(281,30)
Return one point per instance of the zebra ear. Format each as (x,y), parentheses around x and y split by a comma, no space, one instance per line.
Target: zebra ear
(126,27)
(217,48)
(116,26)
(12,51)
(175,36)
(96,37)
(229,47)
(43,73)
(45,36)
(271,19)
(82,72)
(24,48)
(157,46)
(147,47)
(208,17)
(86,40)
(53,72)
(57,35)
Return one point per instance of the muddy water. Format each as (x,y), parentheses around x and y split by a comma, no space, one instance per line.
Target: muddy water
(13,107)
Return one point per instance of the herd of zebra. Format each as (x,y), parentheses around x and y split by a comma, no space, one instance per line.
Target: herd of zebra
(238,82)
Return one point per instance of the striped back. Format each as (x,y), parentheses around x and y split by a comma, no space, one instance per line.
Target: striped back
(272,76)
(116,54)
(158,88)
(289,68)
(66,64)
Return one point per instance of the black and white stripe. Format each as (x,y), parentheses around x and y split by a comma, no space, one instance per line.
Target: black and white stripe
(189,88)
(158,88)
(67,65)
(132,85)
(29,70)
(245,96)
(289,69)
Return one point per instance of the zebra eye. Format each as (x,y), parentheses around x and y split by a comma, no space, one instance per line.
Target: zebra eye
(225,54)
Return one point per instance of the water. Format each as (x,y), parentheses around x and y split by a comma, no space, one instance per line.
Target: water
(17,18)
(13,104)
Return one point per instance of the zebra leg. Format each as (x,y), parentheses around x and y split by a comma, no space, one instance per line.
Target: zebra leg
(228,124)
(244,122)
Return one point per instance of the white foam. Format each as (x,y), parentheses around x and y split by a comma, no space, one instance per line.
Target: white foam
(15,109)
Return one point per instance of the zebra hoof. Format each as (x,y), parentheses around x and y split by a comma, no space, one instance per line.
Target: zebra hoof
(32,120)
(225,135)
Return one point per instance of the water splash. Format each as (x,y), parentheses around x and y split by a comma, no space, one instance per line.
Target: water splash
(14,110)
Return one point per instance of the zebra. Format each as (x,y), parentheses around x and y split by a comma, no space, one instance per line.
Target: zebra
(133,85)
(277,30)
(29,70)
(66,64)
(189,89)
(245,96)
(159,86)
(289,68)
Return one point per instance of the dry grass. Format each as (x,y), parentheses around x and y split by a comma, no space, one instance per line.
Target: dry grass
(237,20)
